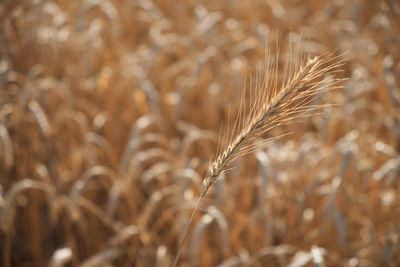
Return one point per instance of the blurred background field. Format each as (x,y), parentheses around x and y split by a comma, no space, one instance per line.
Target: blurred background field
(110,112)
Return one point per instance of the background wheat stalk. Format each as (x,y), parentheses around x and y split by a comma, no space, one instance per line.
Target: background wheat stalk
(271,105)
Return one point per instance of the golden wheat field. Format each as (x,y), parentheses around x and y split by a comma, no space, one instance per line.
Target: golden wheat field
(111,112)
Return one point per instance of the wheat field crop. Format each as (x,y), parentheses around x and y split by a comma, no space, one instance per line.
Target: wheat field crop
(111,112)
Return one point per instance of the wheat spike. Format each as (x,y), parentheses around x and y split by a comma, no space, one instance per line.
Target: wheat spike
(272,108)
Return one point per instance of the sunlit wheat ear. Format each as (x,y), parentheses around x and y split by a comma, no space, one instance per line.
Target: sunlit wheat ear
(285,95)
(271,107)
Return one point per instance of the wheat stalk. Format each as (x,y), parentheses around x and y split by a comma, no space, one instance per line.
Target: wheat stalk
(270,107)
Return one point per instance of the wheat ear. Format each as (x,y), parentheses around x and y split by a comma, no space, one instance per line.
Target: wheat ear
(270,107)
